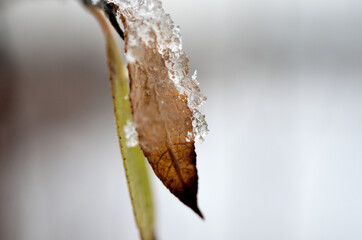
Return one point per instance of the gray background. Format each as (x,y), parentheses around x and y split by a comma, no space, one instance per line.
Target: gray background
(283,159)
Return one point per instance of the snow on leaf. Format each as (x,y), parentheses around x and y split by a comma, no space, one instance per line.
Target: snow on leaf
(164,99)
(131,134)
(147,23)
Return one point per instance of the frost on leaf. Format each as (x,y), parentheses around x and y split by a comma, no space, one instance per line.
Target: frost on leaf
(163,97)
(131,134)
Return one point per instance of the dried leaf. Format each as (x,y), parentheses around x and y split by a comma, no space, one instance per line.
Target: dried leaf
(164,99)
(163,120)
(133,158)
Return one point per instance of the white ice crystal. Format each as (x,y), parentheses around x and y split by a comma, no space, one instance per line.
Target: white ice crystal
(194,76)
(95,2)
(131,134)
(148,23)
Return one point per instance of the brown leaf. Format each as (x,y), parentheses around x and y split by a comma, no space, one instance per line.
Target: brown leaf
(163,98)
(163,119)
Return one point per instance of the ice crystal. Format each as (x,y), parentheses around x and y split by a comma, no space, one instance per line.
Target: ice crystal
(147,23)
(194,76)
(131,134)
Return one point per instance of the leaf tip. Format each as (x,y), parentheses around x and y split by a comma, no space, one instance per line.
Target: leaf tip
(194,206)
(198,212)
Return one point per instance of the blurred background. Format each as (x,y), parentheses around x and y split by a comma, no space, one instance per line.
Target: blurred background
(283,159)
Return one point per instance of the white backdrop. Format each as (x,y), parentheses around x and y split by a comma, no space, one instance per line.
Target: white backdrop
(283,159)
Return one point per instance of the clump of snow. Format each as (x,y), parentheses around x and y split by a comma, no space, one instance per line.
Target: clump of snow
(131,134)
(149,24)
